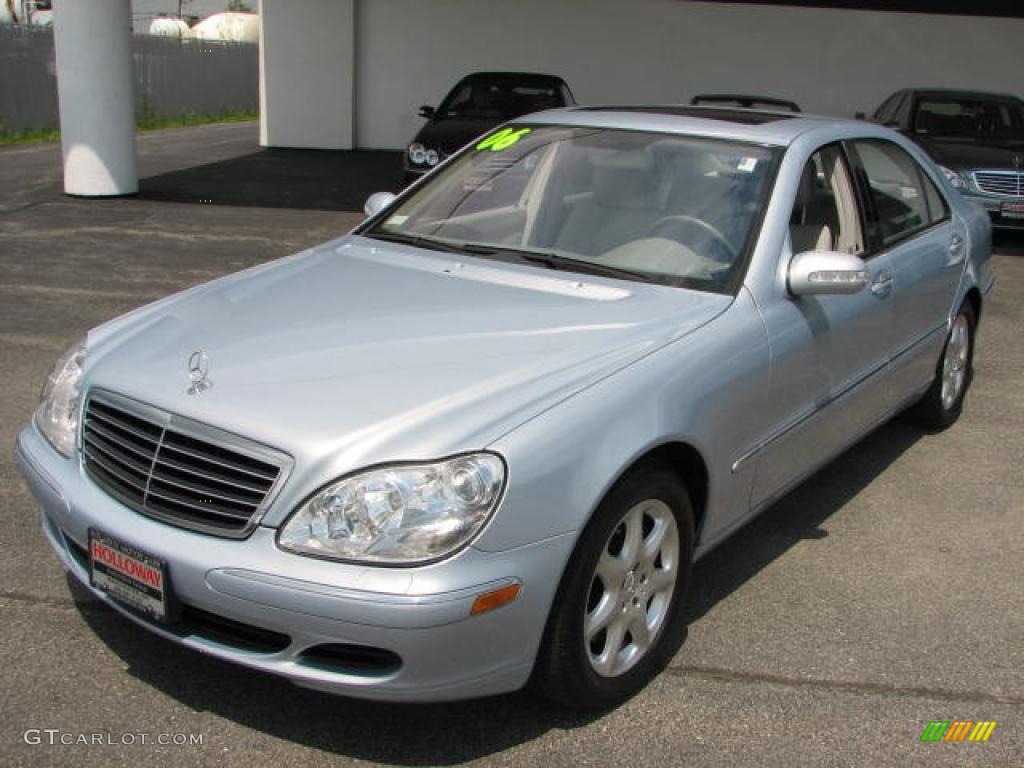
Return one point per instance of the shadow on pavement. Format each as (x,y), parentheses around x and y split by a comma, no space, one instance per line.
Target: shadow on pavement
(796,516)
(1008,242)
(282,178)
(407,734)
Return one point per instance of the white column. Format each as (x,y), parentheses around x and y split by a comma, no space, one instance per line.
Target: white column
(307,64)
(95,91)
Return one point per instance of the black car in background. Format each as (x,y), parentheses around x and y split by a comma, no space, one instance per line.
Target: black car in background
(477,103)
(977,138)
(745,101)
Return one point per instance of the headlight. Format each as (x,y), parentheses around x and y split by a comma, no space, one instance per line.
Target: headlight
(432,157)
(400,515)
(57,414)
(958,181)
(417,154)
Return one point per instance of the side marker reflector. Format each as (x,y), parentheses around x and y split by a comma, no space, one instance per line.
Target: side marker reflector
(491,600)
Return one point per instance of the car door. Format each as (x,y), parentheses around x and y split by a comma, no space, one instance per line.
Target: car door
(829,352)
(909,221)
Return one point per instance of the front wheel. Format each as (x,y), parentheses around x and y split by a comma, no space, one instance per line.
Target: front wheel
(617,617)
(941,405)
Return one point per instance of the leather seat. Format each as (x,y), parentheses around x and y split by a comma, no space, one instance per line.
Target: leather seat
(813,224)
(621,208)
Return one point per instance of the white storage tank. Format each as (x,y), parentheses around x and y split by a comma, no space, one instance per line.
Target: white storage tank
(165,26)
(232,27)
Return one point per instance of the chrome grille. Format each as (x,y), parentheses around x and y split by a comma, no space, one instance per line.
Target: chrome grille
(177,470)
(1000,182)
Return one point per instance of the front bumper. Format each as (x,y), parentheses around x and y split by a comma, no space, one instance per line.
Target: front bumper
(412,174)
(993,204)
(421,614)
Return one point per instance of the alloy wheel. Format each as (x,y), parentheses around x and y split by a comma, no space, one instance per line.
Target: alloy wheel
(954,362)
(631,588)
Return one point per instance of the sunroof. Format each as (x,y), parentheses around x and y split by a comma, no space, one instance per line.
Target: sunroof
(743,116)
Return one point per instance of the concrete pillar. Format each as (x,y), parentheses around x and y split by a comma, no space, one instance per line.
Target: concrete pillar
(95,90)
(307,73)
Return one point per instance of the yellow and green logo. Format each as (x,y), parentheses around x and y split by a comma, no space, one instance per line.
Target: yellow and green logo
(958,730)
(503,139)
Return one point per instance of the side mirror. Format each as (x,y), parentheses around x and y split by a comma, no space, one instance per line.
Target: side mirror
(377,202)
(427,112)
(816,273)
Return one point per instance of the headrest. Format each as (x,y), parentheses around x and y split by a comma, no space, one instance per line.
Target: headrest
(624,180)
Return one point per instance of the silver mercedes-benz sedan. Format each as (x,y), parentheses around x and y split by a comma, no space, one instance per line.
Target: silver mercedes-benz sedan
(478,442)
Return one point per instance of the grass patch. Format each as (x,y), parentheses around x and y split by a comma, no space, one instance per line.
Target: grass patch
(27,137)
(142,123)
(156,123)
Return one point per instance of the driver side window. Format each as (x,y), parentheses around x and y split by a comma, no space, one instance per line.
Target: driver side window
(825,215)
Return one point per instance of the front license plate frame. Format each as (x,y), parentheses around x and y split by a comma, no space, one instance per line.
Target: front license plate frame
(130,576)
(1012,210)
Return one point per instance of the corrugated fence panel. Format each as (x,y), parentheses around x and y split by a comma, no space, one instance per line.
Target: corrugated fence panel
(172,77)
(28,85)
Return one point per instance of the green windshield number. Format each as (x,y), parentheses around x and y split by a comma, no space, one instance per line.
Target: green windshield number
(503,139)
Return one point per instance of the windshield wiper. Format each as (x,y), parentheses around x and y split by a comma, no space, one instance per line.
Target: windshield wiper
(549,259)
(420,241)
(553,260)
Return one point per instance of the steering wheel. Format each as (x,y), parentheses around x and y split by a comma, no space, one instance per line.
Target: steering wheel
(667,224)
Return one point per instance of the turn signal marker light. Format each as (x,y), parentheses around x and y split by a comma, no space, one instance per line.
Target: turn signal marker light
(491,600)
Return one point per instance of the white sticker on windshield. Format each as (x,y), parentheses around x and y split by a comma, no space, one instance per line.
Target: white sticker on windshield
(747,164)
(398,220)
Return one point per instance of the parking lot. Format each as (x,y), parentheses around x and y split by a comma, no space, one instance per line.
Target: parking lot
(882,594)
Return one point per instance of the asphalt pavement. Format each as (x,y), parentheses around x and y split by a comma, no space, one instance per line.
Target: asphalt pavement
(884,593)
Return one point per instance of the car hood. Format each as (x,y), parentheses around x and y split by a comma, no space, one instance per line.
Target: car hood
(360,352)
(451,134)
(966,155)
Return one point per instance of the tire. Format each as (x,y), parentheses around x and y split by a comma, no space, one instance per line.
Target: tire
(614,590)
(941,405)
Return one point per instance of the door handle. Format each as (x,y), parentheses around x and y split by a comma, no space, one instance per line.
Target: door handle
(882,284)
(956,249)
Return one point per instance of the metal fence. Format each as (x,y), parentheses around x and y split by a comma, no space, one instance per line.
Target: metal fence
(172,77)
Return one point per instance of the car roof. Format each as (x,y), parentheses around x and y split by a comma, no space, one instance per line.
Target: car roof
(756,126)
(516,76)
(952,93)
(745,99)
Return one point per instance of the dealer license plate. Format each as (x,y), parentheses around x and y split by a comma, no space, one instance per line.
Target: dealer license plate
(129,575)
(1013,210)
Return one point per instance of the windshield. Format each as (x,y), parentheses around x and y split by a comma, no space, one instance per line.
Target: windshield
(502,99)
(970,118)
(678,210)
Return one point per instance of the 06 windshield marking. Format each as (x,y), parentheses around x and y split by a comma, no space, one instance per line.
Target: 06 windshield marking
(676,210)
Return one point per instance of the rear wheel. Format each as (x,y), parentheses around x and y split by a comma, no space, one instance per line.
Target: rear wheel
(616,620)
(942,403)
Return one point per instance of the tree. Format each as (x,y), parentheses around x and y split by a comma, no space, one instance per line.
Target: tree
(239,6)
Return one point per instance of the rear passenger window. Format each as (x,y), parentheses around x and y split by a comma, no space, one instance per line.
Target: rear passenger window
(905,199)
(937,208)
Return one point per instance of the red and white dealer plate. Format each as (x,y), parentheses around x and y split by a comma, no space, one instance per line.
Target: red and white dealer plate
(128,574)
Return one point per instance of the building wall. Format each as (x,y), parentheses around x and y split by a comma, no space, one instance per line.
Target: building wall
(306,54)
(409,52)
